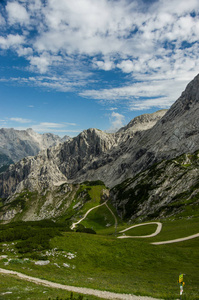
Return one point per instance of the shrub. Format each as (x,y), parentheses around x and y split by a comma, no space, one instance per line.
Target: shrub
(81,228)
(31,236)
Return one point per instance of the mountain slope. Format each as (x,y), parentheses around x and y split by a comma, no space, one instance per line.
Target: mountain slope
(17,144)
(169,188)
(5,161)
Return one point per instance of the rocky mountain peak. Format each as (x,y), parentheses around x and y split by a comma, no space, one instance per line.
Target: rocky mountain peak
(143,122)
(186,102)
(17,144)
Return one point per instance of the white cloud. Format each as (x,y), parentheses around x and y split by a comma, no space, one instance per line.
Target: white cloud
(117,121)
(70,124)
(17,13)
(59,83)
(127,66)
(113,108)
(50,125)
(11,41)
(153,92)
(176,6)
(20,120)
(105,65)
(42,127)
(24,51)
(43,62)
(155,43)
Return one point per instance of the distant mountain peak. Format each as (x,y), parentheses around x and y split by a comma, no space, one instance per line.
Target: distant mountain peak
(17,144)
(144,122)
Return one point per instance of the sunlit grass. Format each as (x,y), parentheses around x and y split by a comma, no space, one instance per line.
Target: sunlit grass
(124,266)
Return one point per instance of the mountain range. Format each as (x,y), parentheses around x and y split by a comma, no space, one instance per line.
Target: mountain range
(118,159)
(17,144)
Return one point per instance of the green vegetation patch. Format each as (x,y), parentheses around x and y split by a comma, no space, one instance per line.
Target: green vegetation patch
(99,218)
(31,236)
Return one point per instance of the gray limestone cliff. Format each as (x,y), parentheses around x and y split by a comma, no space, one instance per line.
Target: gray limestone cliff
(166,189)
(65,162)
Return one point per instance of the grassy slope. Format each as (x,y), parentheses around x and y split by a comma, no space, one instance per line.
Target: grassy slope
(129,266)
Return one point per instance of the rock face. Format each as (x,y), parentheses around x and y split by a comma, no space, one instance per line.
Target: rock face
(17,144)
(64,163)
(143,122)
(175,133)
(166,189)
(34,206)
(112,158)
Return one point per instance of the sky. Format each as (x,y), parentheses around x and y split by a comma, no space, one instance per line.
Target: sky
(66,66)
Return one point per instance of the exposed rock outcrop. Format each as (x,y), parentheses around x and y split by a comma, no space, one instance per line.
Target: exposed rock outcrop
(69,160)
(166,189)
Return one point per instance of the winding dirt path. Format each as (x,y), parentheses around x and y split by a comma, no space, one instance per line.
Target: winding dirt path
(86,214)
(80,290)
(159,228)
(177,240)
(112,214)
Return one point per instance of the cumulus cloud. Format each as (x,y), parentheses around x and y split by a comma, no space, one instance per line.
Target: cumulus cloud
(11,41)
(117,121)
(105,65)
(17,13)
(127,66)
(153,43)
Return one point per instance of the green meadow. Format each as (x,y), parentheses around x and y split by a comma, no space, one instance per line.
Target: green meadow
(119,265)
(101,260)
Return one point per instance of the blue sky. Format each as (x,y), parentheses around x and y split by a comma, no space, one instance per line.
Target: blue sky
(66,66)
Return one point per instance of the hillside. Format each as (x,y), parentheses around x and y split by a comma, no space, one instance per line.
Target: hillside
(50,251)
(167,189)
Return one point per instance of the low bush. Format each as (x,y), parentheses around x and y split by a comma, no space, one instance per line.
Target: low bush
(31,236)
(81,228)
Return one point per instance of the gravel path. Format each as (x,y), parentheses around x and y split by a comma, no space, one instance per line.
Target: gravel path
(177,240)
(86,214)
(112,214)
(80,290)
(159,228)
